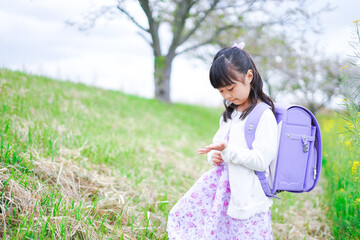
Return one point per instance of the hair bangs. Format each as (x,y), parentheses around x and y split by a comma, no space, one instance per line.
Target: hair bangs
(219,73)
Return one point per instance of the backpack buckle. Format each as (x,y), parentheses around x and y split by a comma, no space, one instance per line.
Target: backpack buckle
(305,144)
(306,147)
(250,128)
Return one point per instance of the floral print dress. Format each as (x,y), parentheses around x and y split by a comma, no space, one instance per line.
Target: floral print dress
(201,213)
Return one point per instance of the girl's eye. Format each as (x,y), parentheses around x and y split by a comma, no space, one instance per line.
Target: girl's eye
(231,89)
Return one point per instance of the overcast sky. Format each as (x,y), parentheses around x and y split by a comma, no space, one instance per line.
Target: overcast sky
(35,38)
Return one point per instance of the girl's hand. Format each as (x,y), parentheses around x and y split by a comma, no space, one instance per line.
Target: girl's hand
(215,146)
(216,158)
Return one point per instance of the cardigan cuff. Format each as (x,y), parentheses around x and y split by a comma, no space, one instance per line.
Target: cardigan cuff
(209,157)
(233,154)
(226,154)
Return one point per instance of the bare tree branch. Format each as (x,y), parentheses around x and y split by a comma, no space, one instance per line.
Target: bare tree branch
(195,46)
(145,38)
(132,18)
(209,40)
(178,26)
(91,18)
(198,23)
(153,27)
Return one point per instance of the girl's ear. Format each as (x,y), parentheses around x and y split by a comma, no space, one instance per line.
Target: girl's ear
(249,76)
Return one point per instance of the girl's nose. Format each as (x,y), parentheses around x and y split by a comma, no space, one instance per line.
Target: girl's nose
(227,95)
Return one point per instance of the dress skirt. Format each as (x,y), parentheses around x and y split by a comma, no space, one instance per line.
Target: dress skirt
(201,213)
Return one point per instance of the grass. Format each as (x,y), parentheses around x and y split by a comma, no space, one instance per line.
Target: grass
(343,172)
(85,163)
(342,155)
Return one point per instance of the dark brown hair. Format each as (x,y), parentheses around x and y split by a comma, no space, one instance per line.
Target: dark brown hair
(231,59)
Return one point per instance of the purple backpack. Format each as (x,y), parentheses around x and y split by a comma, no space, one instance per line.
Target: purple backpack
(298,163)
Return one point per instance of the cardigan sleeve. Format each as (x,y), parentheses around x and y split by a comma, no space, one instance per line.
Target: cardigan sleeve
(264,146)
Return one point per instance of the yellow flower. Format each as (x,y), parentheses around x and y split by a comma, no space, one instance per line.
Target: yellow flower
(358,199)
(341,190)
(347,143)
(344,67)
(354,168)
(345,99)
(357,21)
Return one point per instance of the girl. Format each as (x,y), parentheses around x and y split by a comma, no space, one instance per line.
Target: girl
(228,202)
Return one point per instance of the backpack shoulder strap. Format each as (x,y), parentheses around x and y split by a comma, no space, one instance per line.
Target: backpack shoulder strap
(250,129)
(252,122)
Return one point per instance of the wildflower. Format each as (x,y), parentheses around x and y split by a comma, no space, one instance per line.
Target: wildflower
(343,67)
(354,168)
(357,21)
(358,199)
(345,99)
(341,190)
(355,165)
(347,143)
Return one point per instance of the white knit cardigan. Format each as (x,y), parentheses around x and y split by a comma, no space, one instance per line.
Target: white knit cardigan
(247,196)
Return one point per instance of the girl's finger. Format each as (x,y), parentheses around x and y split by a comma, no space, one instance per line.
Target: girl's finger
(219,147)
(220,160)
(216,162)
(203,151)
(217,154)
(211,146)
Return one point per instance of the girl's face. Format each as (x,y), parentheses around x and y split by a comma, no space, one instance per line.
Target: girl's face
(238,93)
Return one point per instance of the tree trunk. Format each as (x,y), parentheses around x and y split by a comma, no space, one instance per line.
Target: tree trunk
(162,73)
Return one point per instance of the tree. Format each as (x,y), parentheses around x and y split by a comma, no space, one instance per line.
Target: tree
(315,80)
(309,77)
(194,24)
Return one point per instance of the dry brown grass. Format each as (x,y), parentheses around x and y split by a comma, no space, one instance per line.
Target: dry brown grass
(79,187)
(306,219)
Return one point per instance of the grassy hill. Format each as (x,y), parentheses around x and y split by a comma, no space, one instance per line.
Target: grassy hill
(82,162)
(78,162)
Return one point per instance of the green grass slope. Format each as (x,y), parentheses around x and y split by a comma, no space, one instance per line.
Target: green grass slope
(85,163)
